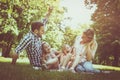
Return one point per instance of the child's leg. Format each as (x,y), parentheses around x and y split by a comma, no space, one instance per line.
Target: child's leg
(53,66)
(52,61)
(62,58)
(75,62)
(66,60)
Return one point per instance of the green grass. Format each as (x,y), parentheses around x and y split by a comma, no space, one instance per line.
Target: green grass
(23,71)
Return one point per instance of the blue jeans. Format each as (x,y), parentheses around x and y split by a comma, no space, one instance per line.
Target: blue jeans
(85,67)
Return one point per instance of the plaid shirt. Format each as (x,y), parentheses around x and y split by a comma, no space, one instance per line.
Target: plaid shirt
(32,44)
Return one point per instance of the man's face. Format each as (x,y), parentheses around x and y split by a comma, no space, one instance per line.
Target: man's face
(40,31)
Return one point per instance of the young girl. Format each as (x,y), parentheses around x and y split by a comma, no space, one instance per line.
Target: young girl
(50,60)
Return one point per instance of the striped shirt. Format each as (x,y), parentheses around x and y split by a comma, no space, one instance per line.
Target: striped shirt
(32,44)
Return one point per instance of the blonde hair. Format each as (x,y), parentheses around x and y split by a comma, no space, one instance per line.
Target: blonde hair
(89,33)
(92,45)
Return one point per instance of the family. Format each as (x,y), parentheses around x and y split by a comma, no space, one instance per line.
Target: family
(76,58)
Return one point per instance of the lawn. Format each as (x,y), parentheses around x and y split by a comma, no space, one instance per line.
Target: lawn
(23,71)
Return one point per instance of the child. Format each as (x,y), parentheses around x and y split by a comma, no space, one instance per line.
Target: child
(50,60)
(65,56)
(72,58)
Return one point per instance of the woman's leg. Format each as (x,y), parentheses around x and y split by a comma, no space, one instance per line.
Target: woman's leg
(88,66)
(79,68)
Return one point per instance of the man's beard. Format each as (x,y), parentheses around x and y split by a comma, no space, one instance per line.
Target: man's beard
(39,35)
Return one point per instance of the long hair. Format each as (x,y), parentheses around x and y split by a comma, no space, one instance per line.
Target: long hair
(92,45)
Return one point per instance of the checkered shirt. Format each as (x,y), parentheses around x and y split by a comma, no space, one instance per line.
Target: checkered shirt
(32,44)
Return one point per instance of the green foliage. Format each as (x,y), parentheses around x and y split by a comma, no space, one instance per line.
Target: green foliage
(17,15)
(106,18)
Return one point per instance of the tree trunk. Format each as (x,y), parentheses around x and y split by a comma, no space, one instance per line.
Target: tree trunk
(116,54)
(6,50)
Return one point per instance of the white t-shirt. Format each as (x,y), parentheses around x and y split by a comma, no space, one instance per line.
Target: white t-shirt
(81,48)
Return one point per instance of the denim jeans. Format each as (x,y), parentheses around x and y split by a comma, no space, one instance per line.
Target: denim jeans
(85,67)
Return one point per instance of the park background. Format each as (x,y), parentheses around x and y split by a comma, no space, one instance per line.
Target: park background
(68,19)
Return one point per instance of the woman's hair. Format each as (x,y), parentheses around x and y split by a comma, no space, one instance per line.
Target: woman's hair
(89,33)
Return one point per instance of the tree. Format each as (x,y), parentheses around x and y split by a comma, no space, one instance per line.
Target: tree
(15,19)
(106,24)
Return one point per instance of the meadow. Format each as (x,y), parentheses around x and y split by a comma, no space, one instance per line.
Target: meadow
(23,71)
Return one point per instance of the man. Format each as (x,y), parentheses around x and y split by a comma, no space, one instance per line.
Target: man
(32,43)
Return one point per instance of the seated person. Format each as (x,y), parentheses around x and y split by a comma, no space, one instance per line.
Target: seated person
(49,59)
(70,62)
(65,56)
(85,48)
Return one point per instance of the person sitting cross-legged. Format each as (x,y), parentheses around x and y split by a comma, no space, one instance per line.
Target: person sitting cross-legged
(49,57)
(65,57)
(85,48)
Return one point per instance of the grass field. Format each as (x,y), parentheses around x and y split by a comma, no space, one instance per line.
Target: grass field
(23,71)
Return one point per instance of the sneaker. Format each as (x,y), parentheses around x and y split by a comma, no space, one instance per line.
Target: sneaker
(106,72)
(61,69)
(37,68)
(72,70)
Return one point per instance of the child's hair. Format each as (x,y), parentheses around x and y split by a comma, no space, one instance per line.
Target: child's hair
(66,47)
(43,49)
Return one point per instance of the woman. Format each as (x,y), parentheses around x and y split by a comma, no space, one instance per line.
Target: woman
(85,48)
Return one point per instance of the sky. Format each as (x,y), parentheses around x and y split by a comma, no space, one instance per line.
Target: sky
(78,12)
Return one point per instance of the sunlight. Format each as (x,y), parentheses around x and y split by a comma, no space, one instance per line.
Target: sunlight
(77,12)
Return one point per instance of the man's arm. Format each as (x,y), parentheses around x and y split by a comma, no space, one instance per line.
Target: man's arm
(23,44)
(47,15)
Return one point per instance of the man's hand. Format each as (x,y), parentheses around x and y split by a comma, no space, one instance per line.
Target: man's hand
(50,9)
(49,12)
(14,58)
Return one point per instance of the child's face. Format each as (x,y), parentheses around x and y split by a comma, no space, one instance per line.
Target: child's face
(66,48)
(46,48)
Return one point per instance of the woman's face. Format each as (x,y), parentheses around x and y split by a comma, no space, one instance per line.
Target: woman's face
(85,38)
